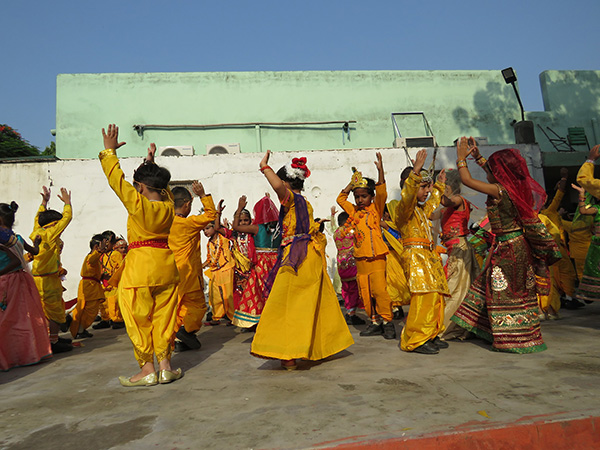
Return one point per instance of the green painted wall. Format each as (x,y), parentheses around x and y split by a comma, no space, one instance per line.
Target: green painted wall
(476,103)
(571,99)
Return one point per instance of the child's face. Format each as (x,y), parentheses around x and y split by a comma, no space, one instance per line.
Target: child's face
(362,197)
(121,247)
(209,231)
(423,192)
(245,219)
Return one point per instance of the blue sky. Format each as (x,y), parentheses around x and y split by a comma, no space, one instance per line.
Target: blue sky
(42,39)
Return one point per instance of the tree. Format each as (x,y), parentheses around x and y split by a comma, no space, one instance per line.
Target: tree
(50,150)
(13,145)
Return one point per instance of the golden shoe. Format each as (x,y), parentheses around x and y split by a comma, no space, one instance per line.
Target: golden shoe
(166,376)
(149,380)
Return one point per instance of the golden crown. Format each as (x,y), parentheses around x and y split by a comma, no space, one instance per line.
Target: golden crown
(357,180)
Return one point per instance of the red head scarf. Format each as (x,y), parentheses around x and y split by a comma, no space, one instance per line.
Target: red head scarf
(510,169)
(265,211)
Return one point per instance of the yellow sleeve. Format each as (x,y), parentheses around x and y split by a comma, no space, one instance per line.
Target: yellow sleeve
(209,215)
(55,231)
(408,200)
(93,258)
(435,198)
(585,178)
(380,198)
(342,200)
(553,207)
(36,221)
(128,195)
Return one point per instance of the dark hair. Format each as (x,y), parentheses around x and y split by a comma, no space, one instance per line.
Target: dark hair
(97,240)
(342,218)
(156,178)
(7,213)
(48,216)
(181,196)
(295,183)
(321,225)
(245,211)
(404,175)
(370,186)
(111,236)
(453,180)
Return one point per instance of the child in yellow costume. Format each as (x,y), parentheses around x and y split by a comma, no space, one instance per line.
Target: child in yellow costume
(369,248)
(184,240)
(302,317)
(220,270)
(397,285)
(46,268)
(148,286)
(91,292)
(422,265)
(111,260)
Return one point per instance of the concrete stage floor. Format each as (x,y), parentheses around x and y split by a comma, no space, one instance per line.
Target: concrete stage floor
(369,396)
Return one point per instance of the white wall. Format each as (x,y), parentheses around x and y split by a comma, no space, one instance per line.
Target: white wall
(96,207)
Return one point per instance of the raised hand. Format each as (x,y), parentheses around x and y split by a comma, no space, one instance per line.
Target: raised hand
(419,161)
(220,206)
(198,189)
(111,137)
(441,178)
(65,196)
(594,153)
(265,161)
(45,195)
(379,162)
(242,202)
(151,153)
(473,149)
(462,148)
(579,189)
(333,210)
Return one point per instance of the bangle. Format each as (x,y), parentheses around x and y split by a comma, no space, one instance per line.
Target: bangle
(460,163)
(590,161)
(262,169)
(481,161)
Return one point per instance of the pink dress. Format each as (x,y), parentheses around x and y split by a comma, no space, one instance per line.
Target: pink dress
(23,326)
(346,264)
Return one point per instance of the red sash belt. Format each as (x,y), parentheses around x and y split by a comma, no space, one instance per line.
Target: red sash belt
(154,243)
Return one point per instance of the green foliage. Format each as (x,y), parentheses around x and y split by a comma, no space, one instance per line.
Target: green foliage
(12,145)
(50,150)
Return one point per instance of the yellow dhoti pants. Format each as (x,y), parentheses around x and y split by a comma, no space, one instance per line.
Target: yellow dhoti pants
(372,287)
(84,314)
(112,305)
(103,310)
(190,311)
(220,293)
(397,286)
(149,314)
(51,290)
(425,320)
(553,299)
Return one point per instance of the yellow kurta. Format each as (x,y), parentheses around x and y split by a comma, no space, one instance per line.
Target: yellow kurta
(580,235)
(46,264)
(397,285)
(220,272)
(302,317)
(109,308)
(370,253)
(421,264)
(90,293)
(148,286)
(184,240)
(563,270)
(553,299)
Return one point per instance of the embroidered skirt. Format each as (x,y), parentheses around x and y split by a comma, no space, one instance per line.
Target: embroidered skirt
(589,287)
(501,305)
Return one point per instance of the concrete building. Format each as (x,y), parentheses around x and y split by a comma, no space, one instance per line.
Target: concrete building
(336,119)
